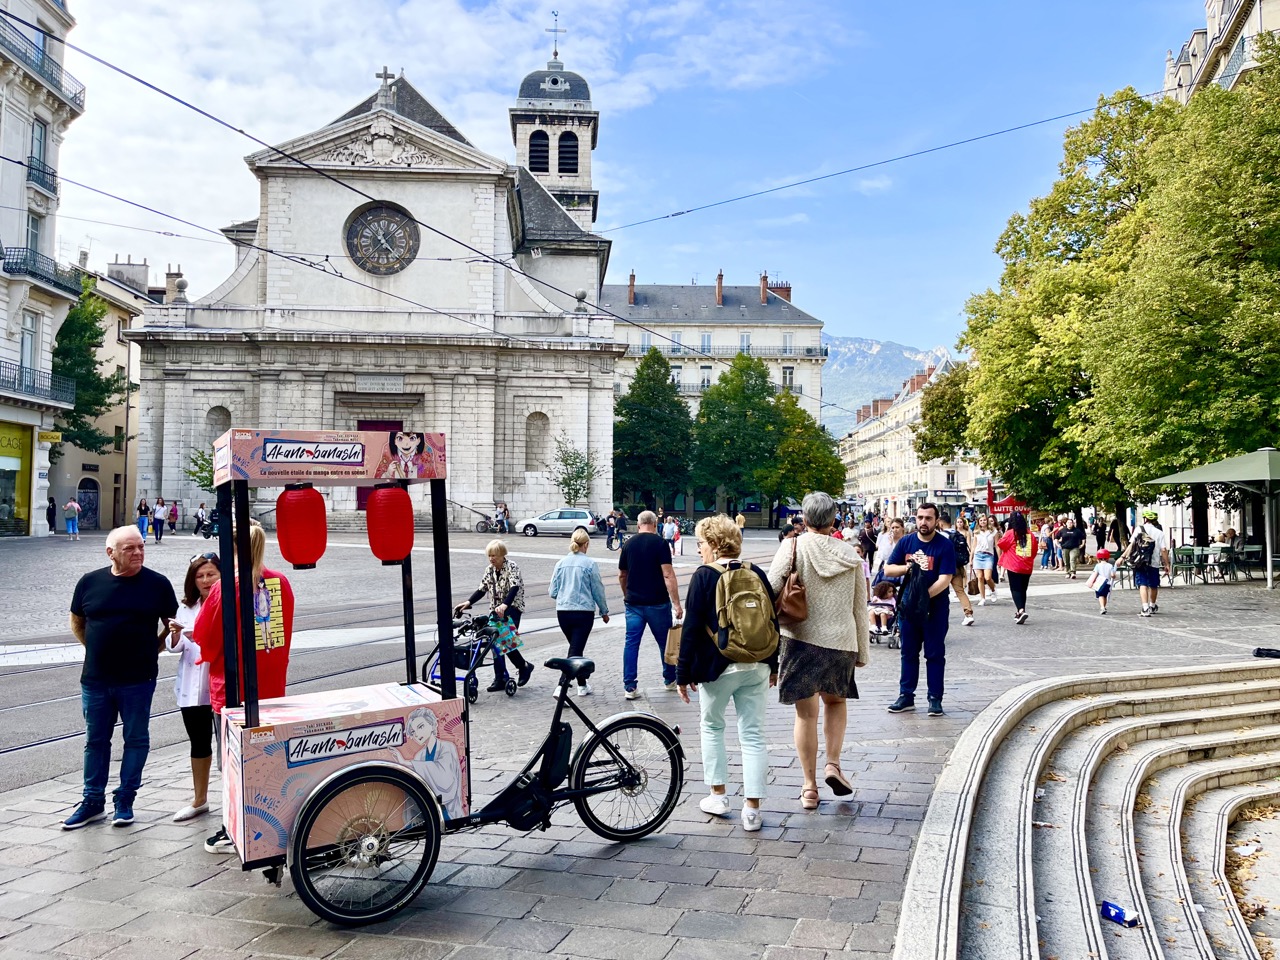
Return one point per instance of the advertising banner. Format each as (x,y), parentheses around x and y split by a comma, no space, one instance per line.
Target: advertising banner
(327,457)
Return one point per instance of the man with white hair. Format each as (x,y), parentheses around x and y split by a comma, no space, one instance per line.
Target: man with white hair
(120,614)
(649,591)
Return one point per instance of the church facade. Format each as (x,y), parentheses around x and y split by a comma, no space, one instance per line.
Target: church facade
(351,310)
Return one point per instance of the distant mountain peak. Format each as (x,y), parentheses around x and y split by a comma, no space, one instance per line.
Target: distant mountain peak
(859,370)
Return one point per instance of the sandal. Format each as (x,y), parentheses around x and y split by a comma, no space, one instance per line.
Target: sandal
(837,781)
(808,799)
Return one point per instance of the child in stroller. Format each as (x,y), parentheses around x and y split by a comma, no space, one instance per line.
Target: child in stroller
(883,611)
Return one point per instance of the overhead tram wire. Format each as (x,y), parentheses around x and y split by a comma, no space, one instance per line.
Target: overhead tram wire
(486,257)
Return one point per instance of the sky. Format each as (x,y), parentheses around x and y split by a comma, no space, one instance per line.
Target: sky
(700,101)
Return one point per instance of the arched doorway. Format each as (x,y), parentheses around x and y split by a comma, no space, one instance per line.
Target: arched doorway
(88,495)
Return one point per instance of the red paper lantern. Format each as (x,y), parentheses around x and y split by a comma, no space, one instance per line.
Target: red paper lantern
(301,528)
(389,516)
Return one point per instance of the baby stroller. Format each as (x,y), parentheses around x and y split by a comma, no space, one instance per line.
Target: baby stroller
(473,639)
(892,638)
(210,528)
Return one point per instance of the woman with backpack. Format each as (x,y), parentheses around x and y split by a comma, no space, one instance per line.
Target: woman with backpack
(703,667)
(818,654)
(1018,556)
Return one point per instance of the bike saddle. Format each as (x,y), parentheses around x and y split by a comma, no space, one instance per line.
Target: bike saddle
(575,668)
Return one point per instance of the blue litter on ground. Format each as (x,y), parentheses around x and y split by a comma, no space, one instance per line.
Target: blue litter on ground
(1115,913)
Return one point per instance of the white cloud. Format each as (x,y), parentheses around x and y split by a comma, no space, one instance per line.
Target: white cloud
(790,220)
(873,185)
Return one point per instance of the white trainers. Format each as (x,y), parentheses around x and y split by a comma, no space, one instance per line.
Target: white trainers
(982,602)
(190,812)
(632,694)
(716,804)
(751,819)
(584,689)
(670,686)
(968,620)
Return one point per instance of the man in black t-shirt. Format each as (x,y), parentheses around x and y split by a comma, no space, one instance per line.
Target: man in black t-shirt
(119,614)
(649,591)
(928,555)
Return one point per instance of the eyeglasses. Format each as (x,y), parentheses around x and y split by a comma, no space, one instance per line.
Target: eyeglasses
(203,556)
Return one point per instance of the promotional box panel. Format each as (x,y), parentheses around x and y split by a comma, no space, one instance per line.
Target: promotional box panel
(328,457)
(270,770)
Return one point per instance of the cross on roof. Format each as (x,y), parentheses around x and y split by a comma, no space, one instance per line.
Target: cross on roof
(385,76)
(554,31)
(384,92)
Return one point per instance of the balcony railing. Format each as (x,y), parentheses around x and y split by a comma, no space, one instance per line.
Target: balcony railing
(1231,73)
(21,261)
(42,175)
(27,53)
(36,383)
(755,350)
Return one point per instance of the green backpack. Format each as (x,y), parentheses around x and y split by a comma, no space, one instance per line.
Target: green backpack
(748,625)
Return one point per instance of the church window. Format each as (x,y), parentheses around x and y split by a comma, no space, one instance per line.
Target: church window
(537,442)
(568,159)
(539,152)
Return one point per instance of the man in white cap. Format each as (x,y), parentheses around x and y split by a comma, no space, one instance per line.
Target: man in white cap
(1148,557)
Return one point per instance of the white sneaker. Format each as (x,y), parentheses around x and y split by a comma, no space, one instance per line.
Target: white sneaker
(982,602)
(751,819)
(632,694)
(716,804)
(555,692)
(1146,611)
(190,812)
(670,686)
(584,690)
(968,620)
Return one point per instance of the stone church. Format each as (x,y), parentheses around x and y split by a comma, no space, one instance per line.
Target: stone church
(343,313)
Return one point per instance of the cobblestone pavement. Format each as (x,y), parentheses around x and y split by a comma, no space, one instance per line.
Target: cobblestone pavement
(810,885)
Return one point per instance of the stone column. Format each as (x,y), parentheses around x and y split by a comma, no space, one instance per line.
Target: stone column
(177,445)
(269,414)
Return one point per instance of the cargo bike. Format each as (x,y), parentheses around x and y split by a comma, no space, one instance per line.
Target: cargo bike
(352,790)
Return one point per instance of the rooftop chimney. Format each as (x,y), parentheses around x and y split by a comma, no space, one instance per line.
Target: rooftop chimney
(720,289)
(84,259)
(782,289)
(171,279)
(134,275)
(631,290)
(764,289)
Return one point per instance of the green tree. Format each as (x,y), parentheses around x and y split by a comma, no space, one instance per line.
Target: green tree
(199,470)
(940,434)
(75,357)
(804,458)
(574,470)
(737,429)
(652,435)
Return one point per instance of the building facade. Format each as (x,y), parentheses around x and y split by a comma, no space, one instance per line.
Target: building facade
(38,102)
(884,473)
(345,312)
(103,483)
(699,328)
(1223,52)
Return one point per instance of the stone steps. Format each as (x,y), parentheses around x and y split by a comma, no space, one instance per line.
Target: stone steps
(1046,779)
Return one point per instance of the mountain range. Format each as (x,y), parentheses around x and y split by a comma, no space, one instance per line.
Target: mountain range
(859,370)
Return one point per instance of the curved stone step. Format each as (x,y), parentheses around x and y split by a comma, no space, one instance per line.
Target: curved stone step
(1109,829)
(1064,906)
(1158,831)
(1205,826)
(999,905)
(930,912)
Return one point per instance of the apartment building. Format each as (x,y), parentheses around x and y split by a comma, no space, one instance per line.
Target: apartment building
(38,102)
(1223,52)
(699,328)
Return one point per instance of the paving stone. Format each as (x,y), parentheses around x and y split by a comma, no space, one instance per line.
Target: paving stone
(263,909)
(871,936)
(393,948)
(664,855)
(536,861)
(607,913)
(495,953)
(671,873)
(38,936)
(737,929)
(609,868)
(14,905)
(201,931)
(479,856)
(715,899)
(559,884)
(490,877)
(528,845)
(493,903)
(821,934)
(106,890)
(144,948)
(26,856)
(303,942)
(721,861)
(775,952)
(536,936)
(446,927)
(182,899)
(588,942)
(635,891)
(772,904)
(711,950)
(92,946)
(44,882)
(218,953)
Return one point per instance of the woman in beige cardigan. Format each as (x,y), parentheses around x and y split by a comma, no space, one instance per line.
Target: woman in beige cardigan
(818,655)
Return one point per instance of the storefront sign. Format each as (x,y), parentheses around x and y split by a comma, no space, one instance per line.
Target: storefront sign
(379,383)
(277,457)
(49,436)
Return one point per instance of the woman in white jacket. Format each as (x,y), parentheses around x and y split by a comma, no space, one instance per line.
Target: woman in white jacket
(819,654)
(191,682)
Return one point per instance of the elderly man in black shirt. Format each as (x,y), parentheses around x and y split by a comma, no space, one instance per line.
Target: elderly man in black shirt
(119,613)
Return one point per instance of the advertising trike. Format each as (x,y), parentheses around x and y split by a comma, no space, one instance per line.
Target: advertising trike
(352,789)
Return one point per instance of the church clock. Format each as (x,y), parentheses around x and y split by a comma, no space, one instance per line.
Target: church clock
(382,239)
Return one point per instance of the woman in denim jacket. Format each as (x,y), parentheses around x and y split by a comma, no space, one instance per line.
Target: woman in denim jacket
(578,592)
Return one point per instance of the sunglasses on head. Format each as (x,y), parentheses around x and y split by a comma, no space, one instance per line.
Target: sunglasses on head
(203,556)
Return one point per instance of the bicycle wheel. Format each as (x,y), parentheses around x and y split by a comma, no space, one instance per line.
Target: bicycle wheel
(365,845)
(646,768)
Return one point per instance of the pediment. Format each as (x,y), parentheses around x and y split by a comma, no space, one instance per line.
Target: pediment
(378,141)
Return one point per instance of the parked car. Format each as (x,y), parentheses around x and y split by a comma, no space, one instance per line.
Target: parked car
(563,521)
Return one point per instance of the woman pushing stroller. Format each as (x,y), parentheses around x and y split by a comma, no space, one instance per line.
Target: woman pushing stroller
(503,584)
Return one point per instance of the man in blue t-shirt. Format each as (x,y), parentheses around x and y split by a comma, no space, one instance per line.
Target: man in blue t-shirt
(931,557)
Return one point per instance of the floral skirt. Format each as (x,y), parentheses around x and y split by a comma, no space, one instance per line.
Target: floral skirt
(805,670)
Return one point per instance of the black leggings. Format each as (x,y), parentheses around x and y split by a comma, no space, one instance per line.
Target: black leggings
(1018,588)
(577,625)
(199,724)
(517,661)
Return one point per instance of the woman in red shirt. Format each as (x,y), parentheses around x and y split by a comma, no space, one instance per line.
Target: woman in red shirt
(1017,556)
(273,634)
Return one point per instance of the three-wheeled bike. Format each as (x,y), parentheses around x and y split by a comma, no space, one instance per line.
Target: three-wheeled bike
(352,789)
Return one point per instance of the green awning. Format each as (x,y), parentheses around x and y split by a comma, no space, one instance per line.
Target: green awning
(1261,466)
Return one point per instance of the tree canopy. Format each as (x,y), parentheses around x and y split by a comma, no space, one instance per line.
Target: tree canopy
(75,356)
(737,429)
(652,434)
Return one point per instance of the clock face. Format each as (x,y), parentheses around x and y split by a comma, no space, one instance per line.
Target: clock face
(382,240)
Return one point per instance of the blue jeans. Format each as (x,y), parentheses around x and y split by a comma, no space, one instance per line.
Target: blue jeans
(144,525)
(931,636)
(102,705)
(658,620)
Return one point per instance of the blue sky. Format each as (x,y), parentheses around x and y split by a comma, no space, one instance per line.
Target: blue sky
(699,101)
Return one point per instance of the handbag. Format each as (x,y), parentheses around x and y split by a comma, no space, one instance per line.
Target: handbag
(793,601)
(971,587)
(671,655)
(507,639)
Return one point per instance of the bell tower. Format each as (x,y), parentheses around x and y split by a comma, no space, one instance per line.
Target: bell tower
(554,130)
